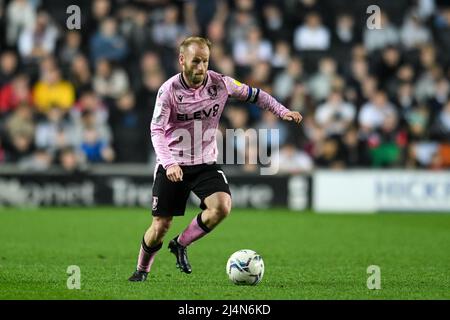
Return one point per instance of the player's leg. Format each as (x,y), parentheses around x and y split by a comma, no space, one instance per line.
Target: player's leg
(218,207)
(212,188)
(150,245)
(169,199)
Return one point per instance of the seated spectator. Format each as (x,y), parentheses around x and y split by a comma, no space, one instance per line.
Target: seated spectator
(8,67)
(312,35)
(39,161)
(20,122)
(281,55)
(320,84)
(71,47)
(387,143)
(417,119)
(107,43)
(39,41)
(386,34)
(274,25)
(55,132)
(284,82)
(20,15)
(110,82)
(53,91)
(269,122)
(373,113)
(293,161)
(252,49)
(95,148)
(329,155)
(16,93)
(335,115)
(441,127)
(129,125)
(71,161)
(413,33)
(355,149)
(169,31)
(80,74)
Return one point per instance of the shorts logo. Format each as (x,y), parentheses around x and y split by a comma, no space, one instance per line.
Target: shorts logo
(212,91)
(155,203)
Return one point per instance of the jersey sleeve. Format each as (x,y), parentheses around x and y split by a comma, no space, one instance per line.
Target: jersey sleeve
(244,92)
(161,115)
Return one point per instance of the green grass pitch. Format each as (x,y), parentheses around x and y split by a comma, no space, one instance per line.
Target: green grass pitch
(307,256)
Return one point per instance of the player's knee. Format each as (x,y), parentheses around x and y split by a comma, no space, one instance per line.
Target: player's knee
(162,224)
(223,208)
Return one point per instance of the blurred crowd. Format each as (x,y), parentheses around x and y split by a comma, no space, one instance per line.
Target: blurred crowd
(369,97)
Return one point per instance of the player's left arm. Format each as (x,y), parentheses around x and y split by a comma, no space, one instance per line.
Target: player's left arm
(244,92)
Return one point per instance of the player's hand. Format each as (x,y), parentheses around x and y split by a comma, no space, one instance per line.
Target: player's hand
(293,116)
(174,173)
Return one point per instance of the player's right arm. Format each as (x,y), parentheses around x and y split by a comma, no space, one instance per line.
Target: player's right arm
(161,115)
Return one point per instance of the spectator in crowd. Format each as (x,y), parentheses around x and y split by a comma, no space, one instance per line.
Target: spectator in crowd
(19,134)
(39,161)
(284,82)
(129,124)
(374,113)
(281,55)
(441,127)
(20,15)
(55,132)
(169,31)
(320,84)
(109,82)
(107,43)
(90,111)
(53,91)
(312,35)
(39,40)
(274,25)
(239,25)
(378,38)
(413,33)
(335,115)
(16,93)
(291,160)
(80,74)
(387,143)
(269,122)
(99,11)
(329,155)
(252,49)
(71,47)
(71,161)
(94,148)
(354,149)
(8,67)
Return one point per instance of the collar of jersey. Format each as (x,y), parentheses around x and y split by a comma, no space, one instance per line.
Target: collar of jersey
(185,85)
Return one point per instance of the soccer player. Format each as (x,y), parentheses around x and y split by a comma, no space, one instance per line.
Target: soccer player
(196,95)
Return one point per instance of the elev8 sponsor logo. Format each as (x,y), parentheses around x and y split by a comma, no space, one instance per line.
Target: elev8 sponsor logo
(199,115)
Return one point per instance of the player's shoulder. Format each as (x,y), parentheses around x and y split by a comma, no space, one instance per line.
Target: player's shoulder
(169,86)
(215,76)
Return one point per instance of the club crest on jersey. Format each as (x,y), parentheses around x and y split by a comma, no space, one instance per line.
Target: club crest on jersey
(212,91)
(180,97)
(155,203)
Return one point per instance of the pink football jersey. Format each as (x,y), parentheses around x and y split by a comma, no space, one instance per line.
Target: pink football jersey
(185,120)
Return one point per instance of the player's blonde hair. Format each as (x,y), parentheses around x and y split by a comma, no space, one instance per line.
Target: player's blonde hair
(191,40)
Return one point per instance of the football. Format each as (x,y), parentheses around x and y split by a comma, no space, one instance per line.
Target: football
(245,267)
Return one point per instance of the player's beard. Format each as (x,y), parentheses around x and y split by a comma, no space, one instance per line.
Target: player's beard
(192,76)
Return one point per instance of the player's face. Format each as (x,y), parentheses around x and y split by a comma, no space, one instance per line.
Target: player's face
(195,62)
